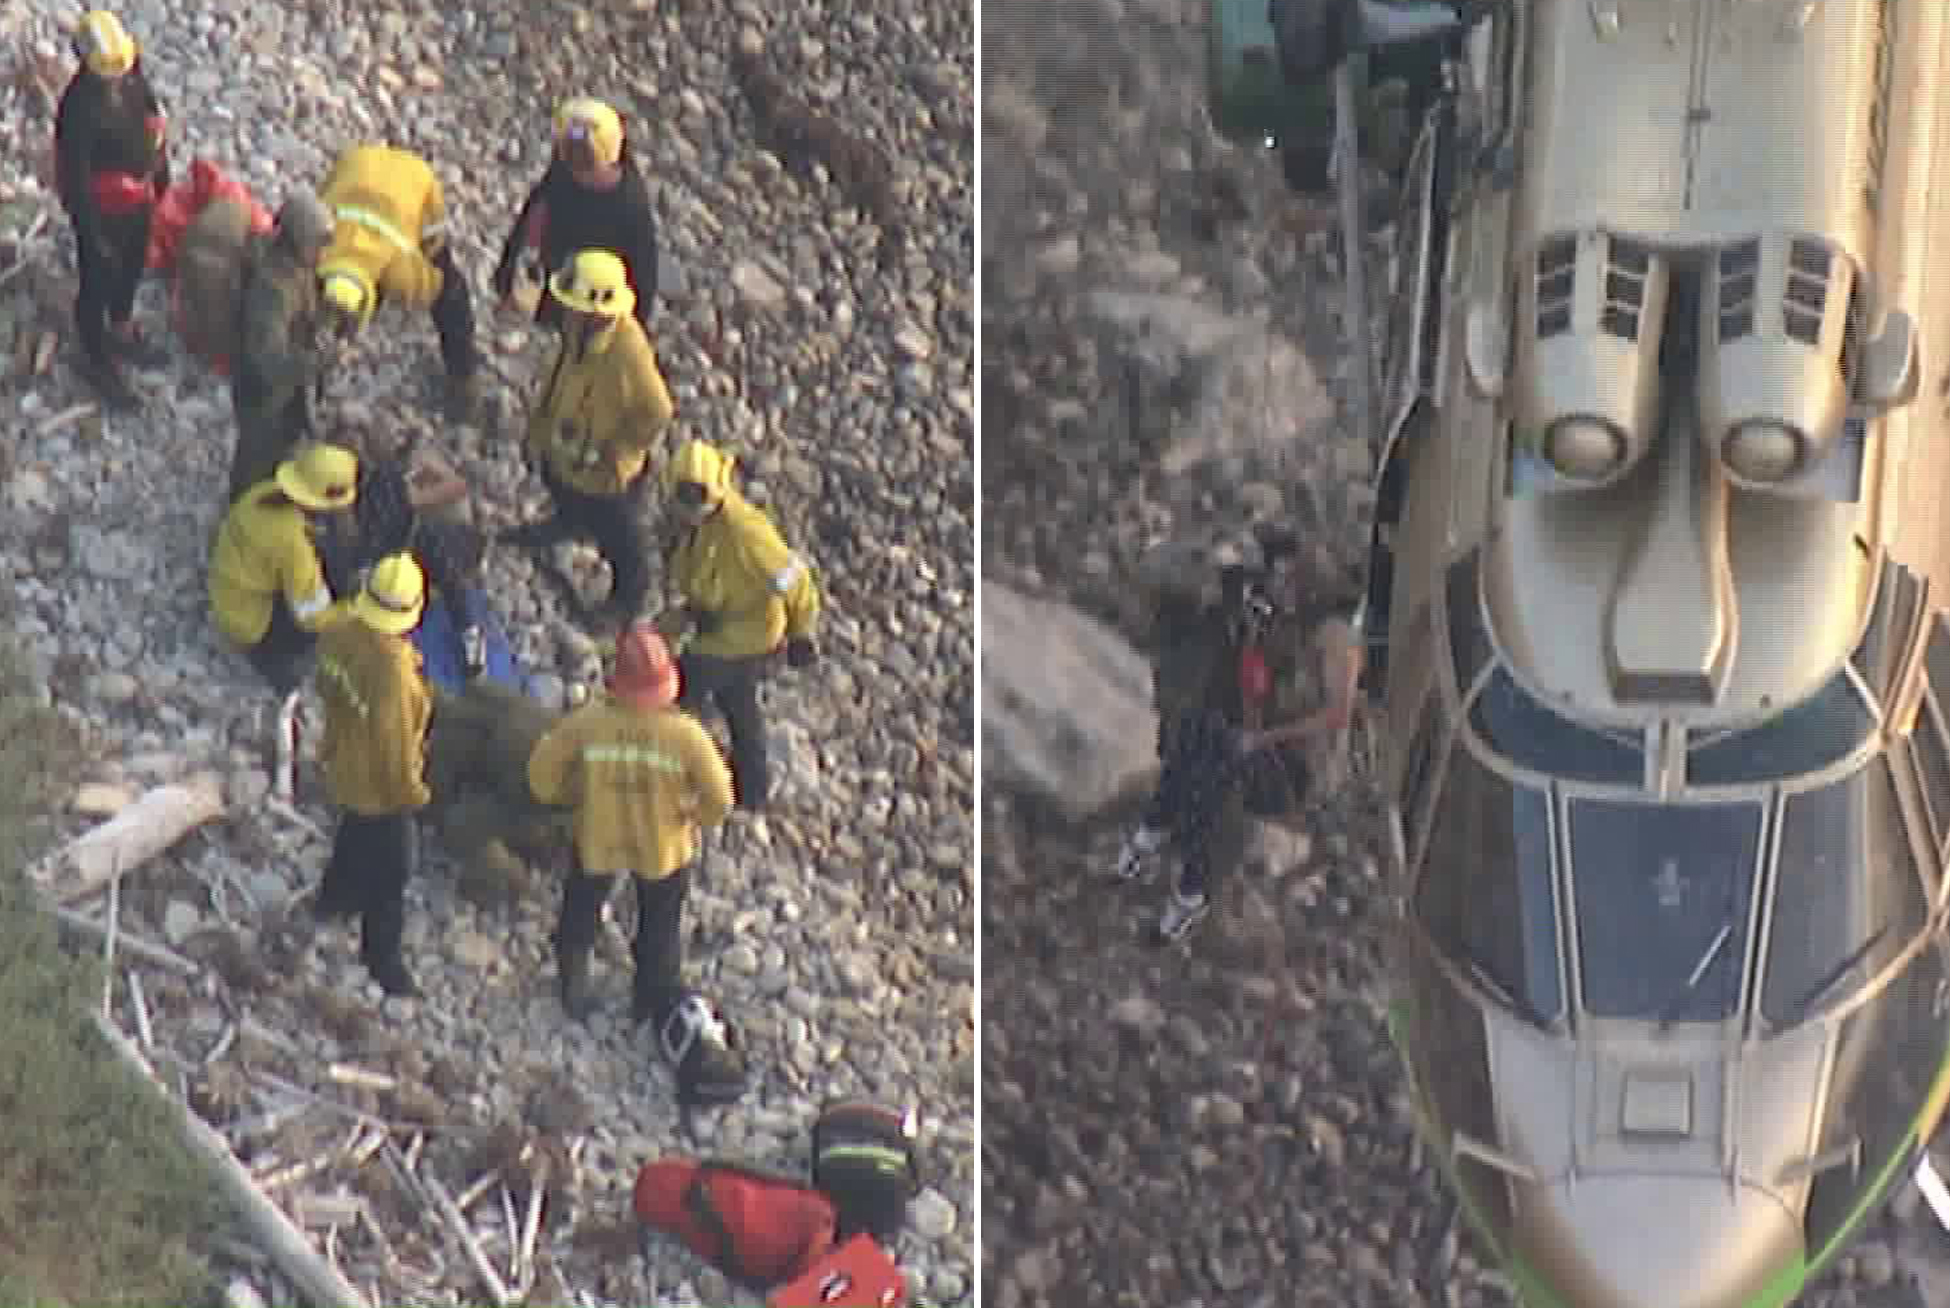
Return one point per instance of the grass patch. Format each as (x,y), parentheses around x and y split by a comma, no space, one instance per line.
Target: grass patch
(99,1204)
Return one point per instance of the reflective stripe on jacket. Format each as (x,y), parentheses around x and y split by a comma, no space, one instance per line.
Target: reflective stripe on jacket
(736,565)
(642,782)
(264,550)
(377,709)
(602,410)
(387,201)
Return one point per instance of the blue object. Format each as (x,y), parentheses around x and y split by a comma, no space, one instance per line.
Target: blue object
(438,639)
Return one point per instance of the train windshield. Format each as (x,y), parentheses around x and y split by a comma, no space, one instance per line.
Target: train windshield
(1664,897)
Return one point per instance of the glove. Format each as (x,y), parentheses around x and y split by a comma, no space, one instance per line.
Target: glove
(704,621)
(800,652)
(473,651)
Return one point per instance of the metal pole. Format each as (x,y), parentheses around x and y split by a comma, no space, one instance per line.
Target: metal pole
(1347,168)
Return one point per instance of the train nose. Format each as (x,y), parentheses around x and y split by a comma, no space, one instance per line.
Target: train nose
(1647,1241)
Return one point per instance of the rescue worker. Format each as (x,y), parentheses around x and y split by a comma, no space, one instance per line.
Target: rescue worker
(384,521)
(268,592)
(389,245)
(591,197)
(279,355)
(643,778)
(1221,764)
(745,592)
(111,166)
(377,711)
(590,433)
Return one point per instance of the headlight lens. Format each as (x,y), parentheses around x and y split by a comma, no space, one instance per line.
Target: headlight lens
(1584,449)
(1763,452)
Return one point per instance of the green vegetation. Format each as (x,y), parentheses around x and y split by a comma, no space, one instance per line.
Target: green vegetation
(98,1202)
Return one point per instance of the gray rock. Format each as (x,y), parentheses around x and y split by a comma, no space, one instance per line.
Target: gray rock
(1066,703)
(180,921)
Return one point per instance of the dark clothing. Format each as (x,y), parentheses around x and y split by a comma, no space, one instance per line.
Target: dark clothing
(732,686)
(612,522)
(277,365)
(1199,802)
(383,521)
(108,125)
(453,317)
(372,860)
(575,218)
(658,949)
(283,656)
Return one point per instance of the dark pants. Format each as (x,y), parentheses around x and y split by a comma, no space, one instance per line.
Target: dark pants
(266,435)
(281,656)
(658,950)
(1200,805)
(110,274)
(732,686)
(611,521)
(453,317)
(372,860)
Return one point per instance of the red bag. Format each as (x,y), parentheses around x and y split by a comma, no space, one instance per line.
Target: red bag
(181,203)
(756,1228)
(1255,678)
(858,1274)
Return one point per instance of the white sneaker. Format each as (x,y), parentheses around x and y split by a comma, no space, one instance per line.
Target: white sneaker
(1181,914)
(1138,846)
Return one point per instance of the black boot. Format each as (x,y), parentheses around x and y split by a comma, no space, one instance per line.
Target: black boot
(392,976)
(106,376)
(573,977)
(535,535)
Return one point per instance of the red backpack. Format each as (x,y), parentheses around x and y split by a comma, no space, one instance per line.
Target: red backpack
(759,1229)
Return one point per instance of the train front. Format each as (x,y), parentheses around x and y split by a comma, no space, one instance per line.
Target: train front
(1675,804)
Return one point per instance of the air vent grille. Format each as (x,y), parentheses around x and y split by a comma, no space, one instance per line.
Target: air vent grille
(1625,289)
(1739,275)
(1807,289)
(1557,272)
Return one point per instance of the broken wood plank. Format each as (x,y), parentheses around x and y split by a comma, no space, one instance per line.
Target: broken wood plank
(132,837)
(322,1284)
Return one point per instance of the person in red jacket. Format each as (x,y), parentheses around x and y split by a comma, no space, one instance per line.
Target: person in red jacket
(111,166)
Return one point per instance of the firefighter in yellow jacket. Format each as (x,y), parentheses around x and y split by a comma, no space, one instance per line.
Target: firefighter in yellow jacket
(745,593)
(591,431)
(643,777)
(377,710)
(268,593)
(389,245)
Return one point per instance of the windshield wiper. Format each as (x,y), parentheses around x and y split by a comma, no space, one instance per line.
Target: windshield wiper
(1819,990)
(1501,993)
(1674,1006)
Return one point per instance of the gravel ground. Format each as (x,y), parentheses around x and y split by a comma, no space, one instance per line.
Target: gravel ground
(1224,1123)
(838,928)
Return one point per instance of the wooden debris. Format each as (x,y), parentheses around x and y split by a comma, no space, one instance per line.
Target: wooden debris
(140,1003)
(346,1074)
(147,951)
(132,837)
(476,1256)
(322,1284)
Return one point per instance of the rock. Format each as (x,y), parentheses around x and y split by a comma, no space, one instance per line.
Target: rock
(180,922)
(932,1214)
(472,949)
(1066,703)
(113,687)
(1140,1013)
(756,287)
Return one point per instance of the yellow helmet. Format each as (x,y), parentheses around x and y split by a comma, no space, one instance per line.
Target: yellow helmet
(587,119)
(104,45)
(594,281)
(699,464)
(320,477)
(394,597)
(349,291)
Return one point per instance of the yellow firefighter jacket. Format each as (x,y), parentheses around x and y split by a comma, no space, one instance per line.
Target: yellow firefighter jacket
(642,781)
(377,710)
(264,549)
(601,410)
(387,203)
(736,565)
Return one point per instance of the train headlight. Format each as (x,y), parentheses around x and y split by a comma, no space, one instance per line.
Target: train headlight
(1763,451)
(1584,449)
